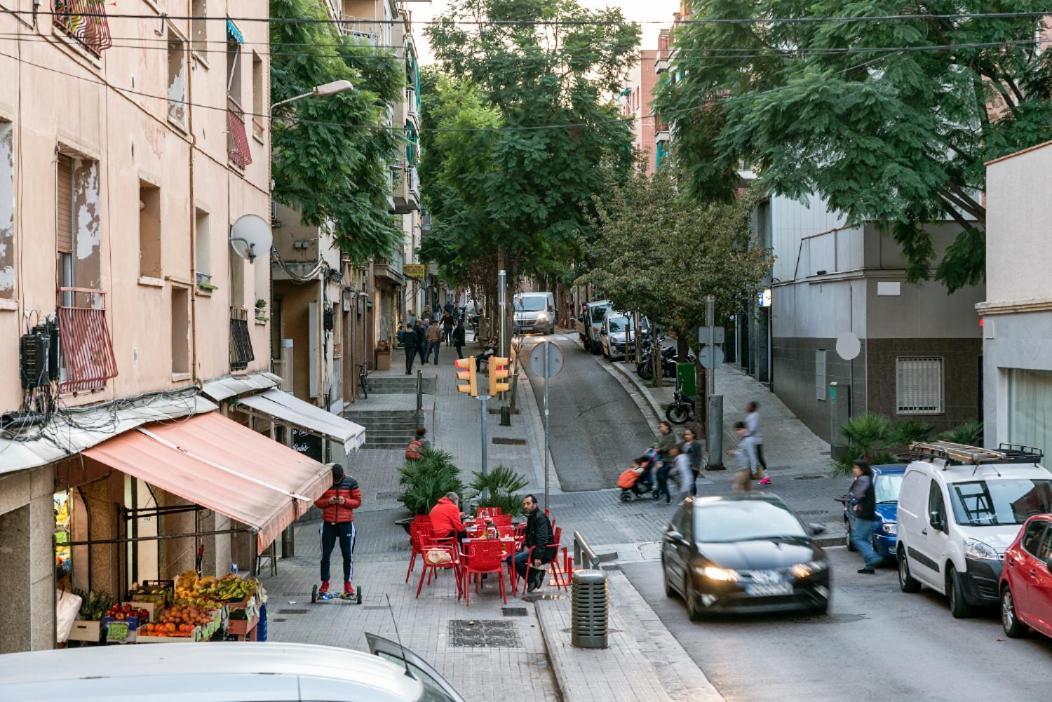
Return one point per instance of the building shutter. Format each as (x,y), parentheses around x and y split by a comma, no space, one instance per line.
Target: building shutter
(919,385)
(64,206)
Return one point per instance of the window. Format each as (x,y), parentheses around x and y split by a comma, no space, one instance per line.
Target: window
(199,26)
(936,506)
(233,70)
(1001,501)
(1030,408)
(180,329)
(237,279)
(918,385)
(64,228)
(258,88)
(149,230)
(7,212)
(820,374)
(177,76)
(1032,538)
(202,248)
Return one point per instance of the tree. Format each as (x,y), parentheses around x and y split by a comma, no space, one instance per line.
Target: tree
(548,69)
(889,120)
(660,251)
(330,155)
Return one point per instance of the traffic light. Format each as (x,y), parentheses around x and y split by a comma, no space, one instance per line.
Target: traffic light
(498,373)
(466,379)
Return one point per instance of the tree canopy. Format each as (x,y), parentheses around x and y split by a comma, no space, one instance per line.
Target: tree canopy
(889,120)
(660,251)
(537,131)
(331,155)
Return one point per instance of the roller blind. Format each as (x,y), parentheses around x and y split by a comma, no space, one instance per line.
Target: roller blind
(64,205)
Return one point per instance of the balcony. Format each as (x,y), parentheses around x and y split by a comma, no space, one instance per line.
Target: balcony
(84,21)
(364,30)
(390,268)
(240,340)
(84,339)
(405,189)
(237,147)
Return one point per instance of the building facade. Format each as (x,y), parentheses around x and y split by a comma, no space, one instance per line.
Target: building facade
(1017,311)
(637,105)
(123,166)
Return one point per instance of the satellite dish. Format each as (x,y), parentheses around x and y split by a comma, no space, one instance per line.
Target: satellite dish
(250,236)
(848,346)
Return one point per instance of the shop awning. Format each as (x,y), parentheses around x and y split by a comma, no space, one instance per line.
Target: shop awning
(72,430)
(215,462)
(234,385)
(290,409)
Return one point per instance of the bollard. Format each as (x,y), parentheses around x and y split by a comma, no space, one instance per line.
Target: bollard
(589,613)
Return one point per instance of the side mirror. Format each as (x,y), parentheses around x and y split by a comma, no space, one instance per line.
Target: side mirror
(674,536)
(935,518)
(816,529)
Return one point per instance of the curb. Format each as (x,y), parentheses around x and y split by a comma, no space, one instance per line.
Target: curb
(655,407)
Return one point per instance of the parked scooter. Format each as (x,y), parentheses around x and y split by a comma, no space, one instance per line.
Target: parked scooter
(681,409)
(645,366)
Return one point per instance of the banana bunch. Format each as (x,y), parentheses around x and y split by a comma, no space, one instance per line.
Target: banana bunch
(232,587)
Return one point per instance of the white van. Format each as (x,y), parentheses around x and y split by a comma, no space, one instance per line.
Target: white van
(534,312)
(223,672)
(959,509)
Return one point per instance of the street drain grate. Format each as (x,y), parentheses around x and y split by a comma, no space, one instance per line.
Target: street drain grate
(509,442)
(514,611)
(818,476)
(483,633)
(292,611)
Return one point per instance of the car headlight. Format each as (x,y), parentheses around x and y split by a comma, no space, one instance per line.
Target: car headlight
(980,550)
(889,528)
(721,575)
(806,570)
(542,317)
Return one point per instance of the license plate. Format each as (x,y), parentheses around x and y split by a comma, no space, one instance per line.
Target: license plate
(769,590)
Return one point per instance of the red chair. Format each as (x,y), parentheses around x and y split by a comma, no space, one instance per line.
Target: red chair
(483,557)
(437,556)
(559,572)
(419,534)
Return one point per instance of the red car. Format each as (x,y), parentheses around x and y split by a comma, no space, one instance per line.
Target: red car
(1026,579)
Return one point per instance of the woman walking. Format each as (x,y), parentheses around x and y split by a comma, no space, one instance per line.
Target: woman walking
(692,448)
(458,338)
(664,445)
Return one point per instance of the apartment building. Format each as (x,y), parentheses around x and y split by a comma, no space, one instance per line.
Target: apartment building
(636,104)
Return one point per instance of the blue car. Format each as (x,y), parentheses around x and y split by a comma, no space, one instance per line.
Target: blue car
(887,479)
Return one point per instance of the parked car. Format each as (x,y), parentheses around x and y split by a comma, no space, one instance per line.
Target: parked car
(745,552)
(614,332)
(887,480)
(1026,580)
(590,324)
(534,312)
(959,512)
(223,672)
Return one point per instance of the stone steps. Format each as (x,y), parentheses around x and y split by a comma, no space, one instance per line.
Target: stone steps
(385,428)
(399,385)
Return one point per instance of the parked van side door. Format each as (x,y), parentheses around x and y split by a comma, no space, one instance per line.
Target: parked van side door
(932,547)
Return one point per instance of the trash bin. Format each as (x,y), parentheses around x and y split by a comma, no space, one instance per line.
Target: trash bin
(589,609)
(685,375)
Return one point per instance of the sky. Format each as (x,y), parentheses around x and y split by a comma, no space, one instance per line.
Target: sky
(652,11)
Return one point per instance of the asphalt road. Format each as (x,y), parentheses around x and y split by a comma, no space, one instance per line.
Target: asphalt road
(596,429)
(876,643)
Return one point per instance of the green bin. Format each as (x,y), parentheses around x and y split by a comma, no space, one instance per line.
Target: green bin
(685,379)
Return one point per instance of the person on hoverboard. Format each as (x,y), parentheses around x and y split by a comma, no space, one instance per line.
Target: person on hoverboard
(338,504)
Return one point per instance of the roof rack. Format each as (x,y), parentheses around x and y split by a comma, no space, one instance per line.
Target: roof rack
(963,454)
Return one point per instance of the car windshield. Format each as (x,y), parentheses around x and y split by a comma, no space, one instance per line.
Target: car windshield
(619,324)
(744,520)
(598,313)
(887,487)
(533,303)
(1000,501)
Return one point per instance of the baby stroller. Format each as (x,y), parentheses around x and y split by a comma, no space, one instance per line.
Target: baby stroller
(638,479)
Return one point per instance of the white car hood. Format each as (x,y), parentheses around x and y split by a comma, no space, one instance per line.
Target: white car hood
(1000,537)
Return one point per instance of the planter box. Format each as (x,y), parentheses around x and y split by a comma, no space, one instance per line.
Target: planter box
(86,630)
(383,360)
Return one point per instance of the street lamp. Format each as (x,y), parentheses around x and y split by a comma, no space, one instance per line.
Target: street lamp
(325,90)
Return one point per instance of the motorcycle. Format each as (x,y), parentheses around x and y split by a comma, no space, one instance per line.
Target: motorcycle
(645,366)
(681,409)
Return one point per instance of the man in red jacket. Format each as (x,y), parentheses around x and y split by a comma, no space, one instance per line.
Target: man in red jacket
(338,504)
(445,517)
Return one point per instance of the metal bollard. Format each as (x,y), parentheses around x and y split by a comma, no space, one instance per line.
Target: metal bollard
(589,613)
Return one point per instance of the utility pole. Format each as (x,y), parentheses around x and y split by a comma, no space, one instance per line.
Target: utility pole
(714,423)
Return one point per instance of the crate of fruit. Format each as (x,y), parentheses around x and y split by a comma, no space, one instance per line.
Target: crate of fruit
(158,592)
(168,633)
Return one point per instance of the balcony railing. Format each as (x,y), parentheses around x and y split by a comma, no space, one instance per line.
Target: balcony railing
(240,341)
(237,138)
(84,339)
(85,21)
(364,30)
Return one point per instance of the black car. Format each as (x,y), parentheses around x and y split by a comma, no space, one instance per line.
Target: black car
(744,553)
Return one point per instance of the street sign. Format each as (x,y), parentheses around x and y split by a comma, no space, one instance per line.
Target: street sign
(704,335)
(706,356)
(414,270)
(555,359)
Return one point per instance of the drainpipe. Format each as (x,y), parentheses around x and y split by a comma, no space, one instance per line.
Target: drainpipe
(193,210)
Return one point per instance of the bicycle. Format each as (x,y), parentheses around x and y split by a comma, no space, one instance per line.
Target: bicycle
(363,379)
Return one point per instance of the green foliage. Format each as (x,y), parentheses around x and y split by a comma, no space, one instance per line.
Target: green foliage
(898,137)
(970,433)
(660,251)
(330,155)
(906,432)
(427,480)
(501,485)
(531,132)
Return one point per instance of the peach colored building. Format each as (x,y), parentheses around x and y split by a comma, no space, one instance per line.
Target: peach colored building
(128,148)
(636,104)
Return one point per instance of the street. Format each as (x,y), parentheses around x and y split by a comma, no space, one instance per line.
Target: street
(876,643)
(596,429)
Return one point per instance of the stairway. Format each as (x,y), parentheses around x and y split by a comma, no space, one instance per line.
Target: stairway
(385,429)
(399,385)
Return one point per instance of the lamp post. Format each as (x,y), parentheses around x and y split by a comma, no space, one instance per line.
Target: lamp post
(324,90)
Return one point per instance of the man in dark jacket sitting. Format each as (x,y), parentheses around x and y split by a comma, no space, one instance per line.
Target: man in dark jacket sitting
(539,537)
(338,504)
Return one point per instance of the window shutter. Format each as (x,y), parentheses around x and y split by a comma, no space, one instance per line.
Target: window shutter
(919,385)
(64,206)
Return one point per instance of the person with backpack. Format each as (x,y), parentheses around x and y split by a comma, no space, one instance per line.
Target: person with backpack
(863,504)
(414,450)
(447,328)
(338,504)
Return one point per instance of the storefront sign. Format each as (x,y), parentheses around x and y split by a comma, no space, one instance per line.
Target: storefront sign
(414,270)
